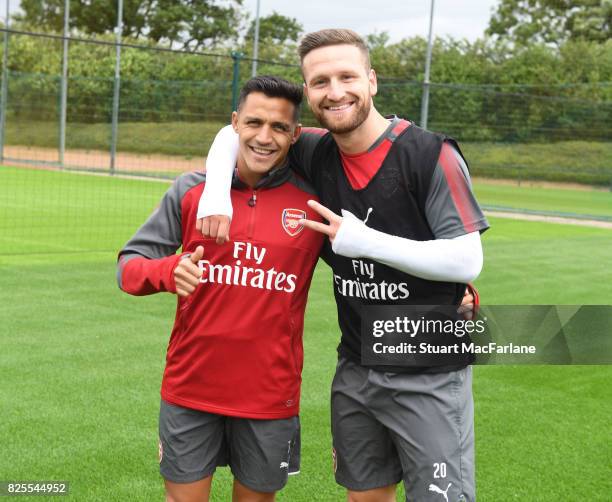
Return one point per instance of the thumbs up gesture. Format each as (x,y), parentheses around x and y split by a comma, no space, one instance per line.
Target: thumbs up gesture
(187,273)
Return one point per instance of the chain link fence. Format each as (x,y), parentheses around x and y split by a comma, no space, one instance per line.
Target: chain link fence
(171,103)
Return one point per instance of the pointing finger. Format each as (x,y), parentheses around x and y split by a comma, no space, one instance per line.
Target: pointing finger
(318,227)
(328,214)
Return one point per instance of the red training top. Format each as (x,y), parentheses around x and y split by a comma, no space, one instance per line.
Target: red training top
(236,344)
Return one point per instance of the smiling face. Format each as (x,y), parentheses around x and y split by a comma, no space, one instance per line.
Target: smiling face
(266,129)
(339,86)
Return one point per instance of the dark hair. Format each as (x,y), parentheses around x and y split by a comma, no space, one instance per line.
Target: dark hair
(332,36)
(273,87)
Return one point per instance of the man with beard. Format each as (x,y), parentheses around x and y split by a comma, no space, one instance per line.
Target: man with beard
(404,229)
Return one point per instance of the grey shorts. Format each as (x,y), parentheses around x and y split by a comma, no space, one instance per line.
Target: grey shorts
(389,427)
(260,453)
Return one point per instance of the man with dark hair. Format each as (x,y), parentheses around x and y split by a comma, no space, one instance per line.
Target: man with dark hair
(231,386)
(273,87)
(404,229)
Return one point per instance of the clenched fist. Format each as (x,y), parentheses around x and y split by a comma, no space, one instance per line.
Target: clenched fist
(214,227)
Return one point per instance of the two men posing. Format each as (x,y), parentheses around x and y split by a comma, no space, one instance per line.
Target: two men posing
(397,200)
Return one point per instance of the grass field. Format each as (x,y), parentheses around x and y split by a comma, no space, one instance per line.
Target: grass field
(171,138)
(587,162)
(584,203)
(566,161)
(81,362)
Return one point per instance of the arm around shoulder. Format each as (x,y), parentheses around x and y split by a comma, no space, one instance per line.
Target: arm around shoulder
(220,164)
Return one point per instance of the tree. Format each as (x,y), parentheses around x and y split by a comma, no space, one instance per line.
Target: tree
(552,21)
(188,23)
(378,40)
(276,28)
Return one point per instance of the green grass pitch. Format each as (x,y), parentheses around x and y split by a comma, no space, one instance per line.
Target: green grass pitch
(595,203)
(81,362)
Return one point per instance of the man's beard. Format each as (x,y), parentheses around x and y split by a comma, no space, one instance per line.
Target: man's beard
(359,118)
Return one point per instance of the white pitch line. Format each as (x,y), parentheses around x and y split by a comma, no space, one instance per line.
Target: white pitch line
(550,219)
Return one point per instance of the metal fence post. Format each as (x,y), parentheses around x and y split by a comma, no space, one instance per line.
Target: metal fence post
(237,57)
(4,90)
(425,99)
(255,43)
(64,91)
(117,84)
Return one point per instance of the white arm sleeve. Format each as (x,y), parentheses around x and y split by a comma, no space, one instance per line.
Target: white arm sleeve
(453,260)
(220,165)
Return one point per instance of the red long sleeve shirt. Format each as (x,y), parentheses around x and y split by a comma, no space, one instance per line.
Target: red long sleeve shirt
(236,344)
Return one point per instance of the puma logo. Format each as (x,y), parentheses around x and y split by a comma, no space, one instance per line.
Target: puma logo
(284,465)
(434,488)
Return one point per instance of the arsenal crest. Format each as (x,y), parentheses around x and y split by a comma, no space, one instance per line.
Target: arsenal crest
(290,221)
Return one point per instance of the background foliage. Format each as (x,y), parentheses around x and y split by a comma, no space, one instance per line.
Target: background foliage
(529,92)
(521,84)
(186,23)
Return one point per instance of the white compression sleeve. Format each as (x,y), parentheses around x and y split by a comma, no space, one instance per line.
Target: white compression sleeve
(220,165)
(454,260)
